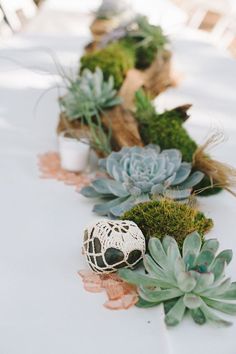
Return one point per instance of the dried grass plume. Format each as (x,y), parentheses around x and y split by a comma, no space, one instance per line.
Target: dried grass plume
(220,174)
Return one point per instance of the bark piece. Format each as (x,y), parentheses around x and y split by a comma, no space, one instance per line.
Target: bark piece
(124,127)
(100,27)
(134,80)
(154,80)
(157,78)
(74,128)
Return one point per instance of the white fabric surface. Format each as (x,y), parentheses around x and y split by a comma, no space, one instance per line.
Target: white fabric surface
(43,307)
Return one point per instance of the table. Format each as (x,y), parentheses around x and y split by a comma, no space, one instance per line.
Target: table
(44,309)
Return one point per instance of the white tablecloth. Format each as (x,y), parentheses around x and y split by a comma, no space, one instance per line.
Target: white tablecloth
(43,307)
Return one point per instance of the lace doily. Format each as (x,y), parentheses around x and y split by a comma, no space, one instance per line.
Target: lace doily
(50,168)
(109,245)
(121,295)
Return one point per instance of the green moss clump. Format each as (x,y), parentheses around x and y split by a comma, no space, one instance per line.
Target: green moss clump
(144,56)
(114,60)
(166,129)
(167,217)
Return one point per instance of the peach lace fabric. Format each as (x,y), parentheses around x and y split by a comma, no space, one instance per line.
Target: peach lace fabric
(121,295)
(50,168)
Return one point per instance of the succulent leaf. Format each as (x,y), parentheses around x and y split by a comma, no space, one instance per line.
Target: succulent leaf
(205,280)
(225,307)
(229,294)
(198,316)
(211,245)
(186,282)
(176,314)
(225,255)
(157,252)
(159,295)
(137,278)
(192,301)
(192,244)
(212,317)
(218,267)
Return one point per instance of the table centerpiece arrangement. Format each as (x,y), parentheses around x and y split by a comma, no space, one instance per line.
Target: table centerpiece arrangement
(149,247)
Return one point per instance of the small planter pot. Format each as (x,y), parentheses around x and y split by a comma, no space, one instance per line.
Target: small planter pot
(74,153)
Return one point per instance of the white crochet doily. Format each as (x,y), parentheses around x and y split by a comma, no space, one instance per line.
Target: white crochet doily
(110,245)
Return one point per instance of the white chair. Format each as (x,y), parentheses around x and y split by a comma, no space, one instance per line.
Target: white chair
(17,12)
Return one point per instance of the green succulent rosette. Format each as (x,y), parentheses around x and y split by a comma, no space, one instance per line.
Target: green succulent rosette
(191,281)
(137,174)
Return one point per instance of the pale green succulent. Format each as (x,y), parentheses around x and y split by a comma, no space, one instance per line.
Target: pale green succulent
(191,281)
(139,174)
(148,34)
(89,95)
(111,8)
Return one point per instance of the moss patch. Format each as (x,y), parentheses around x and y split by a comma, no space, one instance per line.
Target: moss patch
(167,217)
(144,56)
(114,60)
(166,129)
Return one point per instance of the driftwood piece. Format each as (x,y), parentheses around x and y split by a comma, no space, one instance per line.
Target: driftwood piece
(157,78)
(154,80)
(134,80)
(124,127)
(100,27)
(73,128)
(183,110)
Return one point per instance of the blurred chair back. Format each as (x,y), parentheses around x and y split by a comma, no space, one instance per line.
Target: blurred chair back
(17,12)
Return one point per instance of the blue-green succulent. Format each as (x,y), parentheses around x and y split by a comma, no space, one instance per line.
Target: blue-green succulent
(192,280)
(137,174)
(89,95)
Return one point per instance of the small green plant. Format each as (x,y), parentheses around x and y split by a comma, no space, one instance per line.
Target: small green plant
(162,217)
(110,8)
(191,281)
(148,41)
(89,94)
(87,98)
(114,60)
(138,174)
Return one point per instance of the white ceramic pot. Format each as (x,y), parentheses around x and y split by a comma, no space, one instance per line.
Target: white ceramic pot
(74,154)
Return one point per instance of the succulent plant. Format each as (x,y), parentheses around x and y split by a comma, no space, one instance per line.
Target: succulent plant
(193,281)
(158,218)
(111,8)
(114,60)
(149,40)
(89,95)
(147,33)
(139,174)
(142,38)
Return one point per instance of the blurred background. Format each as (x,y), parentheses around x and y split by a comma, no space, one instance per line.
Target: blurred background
(216,17)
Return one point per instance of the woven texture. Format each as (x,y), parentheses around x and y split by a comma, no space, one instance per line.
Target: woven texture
(110,245)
